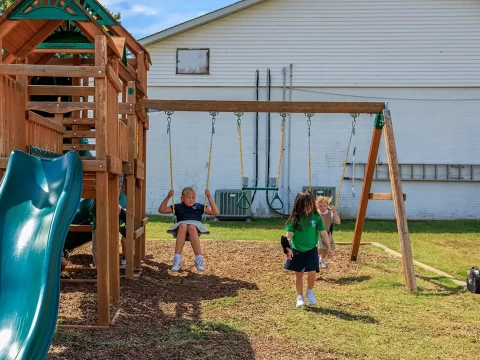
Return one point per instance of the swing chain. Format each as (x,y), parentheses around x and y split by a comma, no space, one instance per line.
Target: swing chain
(239,131)
(309,123)
(169,132)
(354,121)
(282,141)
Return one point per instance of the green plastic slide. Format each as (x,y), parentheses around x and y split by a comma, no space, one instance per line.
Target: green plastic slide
(38,200)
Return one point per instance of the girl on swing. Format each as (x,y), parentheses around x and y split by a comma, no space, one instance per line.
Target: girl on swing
(189,224)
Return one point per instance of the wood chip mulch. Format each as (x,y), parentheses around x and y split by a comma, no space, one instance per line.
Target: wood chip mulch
(165,315)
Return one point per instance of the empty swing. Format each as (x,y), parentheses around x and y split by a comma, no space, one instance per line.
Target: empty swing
(169,132)
(243,202)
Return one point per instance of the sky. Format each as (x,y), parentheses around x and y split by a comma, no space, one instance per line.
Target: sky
(146,17)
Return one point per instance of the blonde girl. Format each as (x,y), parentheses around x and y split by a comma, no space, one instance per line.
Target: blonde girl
(189,224)
(329,217)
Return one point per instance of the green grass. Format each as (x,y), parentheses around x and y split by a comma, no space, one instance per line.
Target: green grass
(451,246)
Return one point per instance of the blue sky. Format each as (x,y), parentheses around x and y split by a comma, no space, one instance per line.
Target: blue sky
(145,17)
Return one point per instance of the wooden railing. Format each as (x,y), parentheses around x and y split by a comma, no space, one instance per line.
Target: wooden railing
(12,115)
(44,133)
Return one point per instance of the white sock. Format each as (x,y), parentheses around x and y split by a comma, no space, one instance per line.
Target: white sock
(178,256)
(199,257)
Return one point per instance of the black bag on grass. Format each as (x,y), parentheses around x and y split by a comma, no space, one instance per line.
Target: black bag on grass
(473,280)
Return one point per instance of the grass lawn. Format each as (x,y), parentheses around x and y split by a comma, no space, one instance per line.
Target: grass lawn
(243,307)
(450,246)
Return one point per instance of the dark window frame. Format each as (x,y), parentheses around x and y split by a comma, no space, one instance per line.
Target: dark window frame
(197,73)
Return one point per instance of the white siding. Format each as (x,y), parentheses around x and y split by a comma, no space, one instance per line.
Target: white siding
(346,43)
(426,132)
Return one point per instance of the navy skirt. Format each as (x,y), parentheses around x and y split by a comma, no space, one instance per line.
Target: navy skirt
(303,261)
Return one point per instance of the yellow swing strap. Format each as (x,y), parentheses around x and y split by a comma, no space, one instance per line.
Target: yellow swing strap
(242,202)
(214,114)
(169,132)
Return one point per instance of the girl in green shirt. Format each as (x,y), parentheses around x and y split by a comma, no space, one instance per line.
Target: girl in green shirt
(302,229)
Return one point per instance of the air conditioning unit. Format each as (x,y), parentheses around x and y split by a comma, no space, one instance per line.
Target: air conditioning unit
(323,191)
(226,200)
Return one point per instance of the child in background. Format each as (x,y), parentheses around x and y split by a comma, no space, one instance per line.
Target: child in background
(329,218)
(302,229)
(189,224)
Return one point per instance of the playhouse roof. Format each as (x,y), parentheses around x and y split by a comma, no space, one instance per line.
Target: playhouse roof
(27,23)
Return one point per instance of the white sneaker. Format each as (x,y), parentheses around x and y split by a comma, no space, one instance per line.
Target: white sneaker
(311,297)
(177,263)
(123,263)
(199,264)
(324,263)
(300,301)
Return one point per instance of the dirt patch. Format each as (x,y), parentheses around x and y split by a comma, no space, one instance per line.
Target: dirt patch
(191,315)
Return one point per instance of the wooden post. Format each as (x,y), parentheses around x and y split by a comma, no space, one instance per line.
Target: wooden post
(138,193)
(20,114)
(367,185)
(102,218)
(394,172)
(130,170)
(113,191)
(142,75)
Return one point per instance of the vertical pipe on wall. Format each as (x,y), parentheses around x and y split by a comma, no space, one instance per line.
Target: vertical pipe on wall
(289,141)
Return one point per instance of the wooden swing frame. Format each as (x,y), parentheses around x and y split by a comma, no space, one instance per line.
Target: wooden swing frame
(328,107)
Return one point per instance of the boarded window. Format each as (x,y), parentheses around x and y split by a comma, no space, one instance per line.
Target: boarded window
(193,61)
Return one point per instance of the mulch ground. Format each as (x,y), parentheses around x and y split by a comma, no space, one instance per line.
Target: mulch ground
(165,315)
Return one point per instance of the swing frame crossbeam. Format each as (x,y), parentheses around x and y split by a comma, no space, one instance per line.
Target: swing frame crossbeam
(382,125)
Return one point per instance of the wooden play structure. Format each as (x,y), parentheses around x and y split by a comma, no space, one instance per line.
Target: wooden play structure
(96,73)
(383,122)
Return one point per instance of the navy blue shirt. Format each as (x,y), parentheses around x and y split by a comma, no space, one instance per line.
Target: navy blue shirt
(184,212)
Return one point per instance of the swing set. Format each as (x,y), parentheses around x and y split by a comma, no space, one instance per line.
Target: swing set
(382,125)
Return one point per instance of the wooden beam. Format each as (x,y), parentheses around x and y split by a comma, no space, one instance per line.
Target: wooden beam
(61,90)
(139,232)
(60,107)
(80,228)
(126,108)
(367,185)
(114,165)
(52,70)
(80,121)
(94,165)
(37,39)
(91,30)
(264,106)
(141,113)
(400,213)
(139,169)
(61,50)
(113,77)
(383,196)
(77,134)
(7,26)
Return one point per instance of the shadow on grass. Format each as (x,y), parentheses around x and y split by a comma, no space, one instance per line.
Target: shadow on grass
(343,315)
(443,286)
(352,280)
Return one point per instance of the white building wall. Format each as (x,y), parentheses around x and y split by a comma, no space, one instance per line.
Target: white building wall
(404,52)
(347,43)
(440,132)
